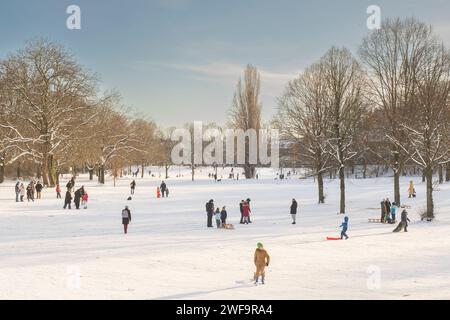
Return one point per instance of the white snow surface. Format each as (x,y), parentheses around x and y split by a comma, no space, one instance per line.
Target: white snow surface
(50,253)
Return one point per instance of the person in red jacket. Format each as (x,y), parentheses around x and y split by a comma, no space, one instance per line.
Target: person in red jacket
(58,192)
(246,212)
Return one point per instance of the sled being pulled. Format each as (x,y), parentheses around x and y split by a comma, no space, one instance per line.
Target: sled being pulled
(228,226)
(333,238)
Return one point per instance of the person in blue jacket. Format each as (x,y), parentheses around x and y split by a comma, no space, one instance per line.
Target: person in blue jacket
(344,227)
(393,212)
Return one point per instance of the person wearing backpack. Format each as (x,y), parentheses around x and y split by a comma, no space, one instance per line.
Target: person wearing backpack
(126,219)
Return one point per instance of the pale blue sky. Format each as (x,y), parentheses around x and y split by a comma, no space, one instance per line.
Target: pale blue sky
(179,60)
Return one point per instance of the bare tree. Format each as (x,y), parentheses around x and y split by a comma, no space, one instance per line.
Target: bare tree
(392,57)
(246,111)
(344,82)
(427,130)
(303,119)
(50,98)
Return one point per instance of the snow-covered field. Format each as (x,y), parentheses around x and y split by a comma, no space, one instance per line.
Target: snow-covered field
(170,254)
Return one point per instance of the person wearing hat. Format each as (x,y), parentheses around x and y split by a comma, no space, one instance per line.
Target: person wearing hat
(126,219)
(294,211)
(261,260)
(344,227)
(403,225)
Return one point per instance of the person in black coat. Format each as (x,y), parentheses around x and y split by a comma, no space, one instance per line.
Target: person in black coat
(39,188)
(249,210)
(403,223)
(132,186)
(223,216)
(210,212)
(77,199)
(163,188)
(67,200)
(294,211)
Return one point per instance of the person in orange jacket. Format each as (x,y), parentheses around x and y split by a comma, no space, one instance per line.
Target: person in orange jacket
(261,261)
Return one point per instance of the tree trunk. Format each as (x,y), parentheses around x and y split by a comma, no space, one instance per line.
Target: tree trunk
(365,170)
(167,172)
(2,172)
(320,185)
(397,187)
(142,171)
(192,172)
(249,170)
(342,187)
(430,206)
(51,171)
(18,173)
(423,175)
(441,174)
(101,174)
(91,174)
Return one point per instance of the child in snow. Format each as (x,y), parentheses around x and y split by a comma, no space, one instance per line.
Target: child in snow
(261,260)
(158,192)
(58,192)
(344,227)
(393,212)
(411,191)
(245,212)
(223,216)
(217,215)
(84,200)
(126,219)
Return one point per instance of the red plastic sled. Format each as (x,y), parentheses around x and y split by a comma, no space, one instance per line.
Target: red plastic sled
(331,238)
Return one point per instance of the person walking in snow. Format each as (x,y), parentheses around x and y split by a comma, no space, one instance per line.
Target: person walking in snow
(403,225)
(71,184)
(126,219)
(294,211)
(39,188)
(209,212)
(67,200)
(218,218)
(30,194)
(411,190)
(383,210)
(387,211)
(84,199)
(249,210)
(344,227)
(261,260)
(58,191)
(223,216)
(132,186)
(77,199)
(17,190)
(163,188)
(22,192)
(241,209)
(246,212)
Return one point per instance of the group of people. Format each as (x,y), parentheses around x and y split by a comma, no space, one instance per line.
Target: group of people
(33,189)
(162,190)
(219,215)
(244,208)
(80,197)
(388,211)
